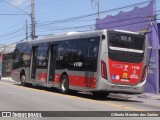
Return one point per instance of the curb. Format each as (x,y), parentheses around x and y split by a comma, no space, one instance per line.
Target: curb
(7,78)
(139,96)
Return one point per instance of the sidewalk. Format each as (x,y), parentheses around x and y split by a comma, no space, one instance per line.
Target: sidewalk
(7,78)
(149,95)
(137,96)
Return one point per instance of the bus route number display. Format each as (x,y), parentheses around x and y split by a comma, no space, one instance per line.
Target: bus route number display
(126,38)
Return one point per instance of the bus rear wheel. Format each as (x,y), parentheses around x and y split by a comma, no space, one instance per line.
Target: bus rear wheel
(64,85)
(23,79)
(100,95)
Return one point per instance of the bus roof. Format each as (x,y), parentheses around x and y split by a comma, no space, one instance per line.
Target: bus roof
(69,35)
(74,35)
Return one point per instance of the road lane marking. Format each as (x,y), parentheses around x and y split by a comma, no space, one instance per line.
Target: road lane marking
(76,97)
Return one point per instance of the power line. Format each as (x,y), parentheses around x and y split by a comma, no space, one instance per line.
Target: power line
(78,26)
(135,17)
(84,26)
(98,24)
(11,38)
(47,2)
(32,15)
(15,42)
(9,34)
(87,16)
(11,14)
(102,23)
(133,23)
(16,7)
(121,20)
(106,11)
(56,22)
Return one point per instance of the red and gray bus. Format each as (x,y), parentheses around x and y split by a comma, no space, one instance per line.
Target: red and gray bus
(100,61)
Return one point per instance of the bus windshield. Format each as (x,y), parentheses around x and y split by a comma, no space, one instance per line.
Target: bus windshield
(126,46)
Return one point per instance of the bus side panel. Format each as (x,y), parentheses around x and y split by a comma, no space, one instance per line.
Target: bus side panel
(27,73)
(79,62)
(84,81)
(41,76)
(15,74)
(103,54)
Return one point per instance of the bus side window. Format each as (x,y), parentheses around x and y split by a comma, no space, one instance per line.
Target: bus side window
(15,54)
(92,56)
(15,59)
(80,54)
(34,62)
(42,56)
(59,55)
(68,54)
(64,54)
(22,56)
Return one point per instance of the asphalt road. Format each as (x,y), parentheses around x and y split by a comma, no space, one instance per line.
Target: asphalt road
(14,97)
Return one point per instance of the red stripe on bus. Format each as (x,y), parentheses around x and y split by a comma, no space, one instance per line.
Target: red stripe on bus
(57,78)
(42,76)
(80,81)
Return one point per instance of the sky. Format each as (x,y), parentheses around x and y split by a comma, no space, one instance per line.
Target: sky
(52,16)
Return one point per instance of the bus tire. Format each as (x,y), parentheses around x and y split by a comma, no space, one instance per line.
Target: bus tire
(100,95)
(23,79)
(64,85)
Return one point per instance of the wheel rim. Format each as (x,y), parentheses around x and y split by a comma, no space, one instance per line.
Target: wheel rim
(64,85)
(23,79)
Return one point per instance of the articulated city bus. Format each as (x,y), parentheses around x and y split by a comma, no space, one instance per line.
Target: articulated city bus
(101,62)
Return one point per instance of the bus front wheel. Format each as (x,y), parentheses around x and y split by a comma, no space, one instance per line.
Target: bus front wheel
(64,85)
(23,79)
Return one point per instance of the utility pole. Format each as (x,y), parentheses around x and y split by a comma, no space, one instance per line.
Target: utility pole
(98,9)
(97,3)
(26,30)
(33,20)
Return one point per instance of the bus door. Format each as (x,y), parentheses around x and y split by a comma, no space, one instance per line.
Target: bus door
(34,62)
(51,64)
